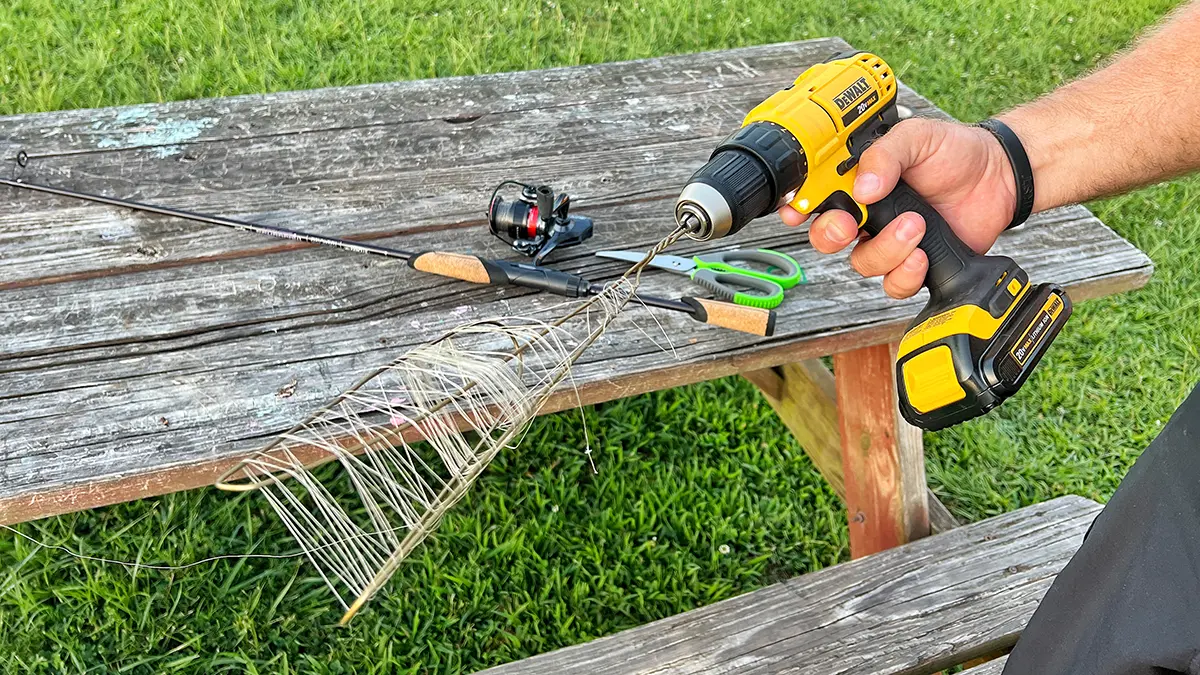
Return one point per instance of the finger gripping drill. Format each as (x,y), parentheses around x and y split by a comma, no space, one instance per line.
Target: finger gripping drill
(985,326)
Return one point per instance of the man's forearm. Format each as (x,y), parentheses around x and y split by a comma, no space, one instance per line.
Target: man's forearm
(1133,123)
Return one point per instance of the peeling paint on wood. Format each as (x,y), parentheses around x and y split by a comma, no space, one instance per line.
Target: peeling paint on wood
(140,126)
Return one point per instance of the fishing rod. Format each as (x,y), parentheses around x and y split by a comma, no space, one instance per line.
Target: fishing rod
(461,266)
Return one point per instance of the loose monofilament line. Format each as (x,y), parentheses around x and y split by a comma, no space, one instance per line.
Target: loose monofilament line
(410,437)
(135,565)
(413,436)
(436,395)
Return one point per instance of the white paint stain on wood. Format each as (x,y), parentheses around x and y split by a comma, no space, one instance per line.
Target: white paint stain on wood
(139,126)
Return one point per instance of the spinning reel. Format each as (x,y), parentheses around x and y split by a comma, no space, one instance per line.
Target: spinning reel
(536,222)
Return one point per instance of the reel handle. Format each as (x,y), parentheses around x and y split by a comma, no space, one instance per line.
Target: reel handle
(545,205)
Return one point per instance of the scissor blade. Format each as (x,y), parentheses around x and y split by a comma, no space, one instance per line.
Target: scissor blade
(671,263)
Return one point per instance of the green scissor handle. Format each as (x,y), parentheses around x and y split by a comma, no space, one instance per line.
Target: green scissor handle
(727,285)
(788,275)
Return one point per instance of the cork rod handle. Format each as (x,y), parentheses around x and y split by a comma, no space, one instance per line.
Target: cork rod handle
(753,320)
(453,265)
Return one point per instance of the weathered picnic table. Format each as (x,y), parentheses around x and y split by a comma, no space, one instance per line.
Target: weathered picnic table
(141,355)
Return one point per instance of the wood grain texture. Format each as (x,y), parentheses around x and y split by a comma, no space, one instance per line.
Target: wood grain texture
(138,355)
(912,610)
(412,158)
(804,395)
(806,403)
(883,457)
(940,518)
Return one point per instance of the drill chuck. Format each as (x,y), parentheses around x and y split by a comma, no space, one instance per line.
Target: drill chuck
(748,176)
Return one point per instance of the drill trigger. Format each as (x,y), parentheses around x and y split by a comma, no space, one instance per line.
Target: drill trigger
(840,200)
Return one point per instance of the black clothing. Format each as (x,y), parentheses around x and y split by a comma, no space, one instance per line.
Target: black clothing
(1128,603)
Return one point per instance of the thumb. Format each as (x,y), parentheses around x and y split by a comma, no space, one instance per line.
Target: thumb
(907,144)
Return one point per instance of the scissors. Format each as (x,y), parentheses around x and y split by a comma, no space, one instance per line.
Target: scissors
(717,273)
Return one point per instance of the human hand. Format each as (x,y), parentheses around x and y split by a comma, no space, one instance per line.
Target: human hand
(960,170)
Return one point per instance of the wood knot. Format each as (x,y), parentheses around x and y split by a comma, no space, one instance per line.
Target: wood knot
(288,389)
(864,442)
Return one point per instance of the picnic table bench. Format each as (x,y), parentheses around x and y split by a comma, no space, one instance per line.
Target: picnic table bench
(141,355)
(917,609)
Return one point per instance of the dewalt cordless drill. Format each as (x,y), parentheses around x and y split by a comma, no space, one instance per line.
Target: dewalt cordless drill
(985,326)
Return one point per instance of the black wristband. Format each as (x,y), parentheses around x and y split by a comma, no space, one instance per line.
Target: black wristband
(1022,171)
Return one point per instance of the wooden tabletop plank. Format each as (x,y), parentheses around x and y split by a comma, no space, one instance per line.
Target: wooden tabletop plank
(184,123)
(275,291)
(156,352)
(368,177)
(918,608)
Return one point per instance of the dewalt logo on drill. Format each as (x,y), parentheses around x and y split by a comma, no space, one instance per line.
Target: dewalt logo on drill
(846,101)
(851,94)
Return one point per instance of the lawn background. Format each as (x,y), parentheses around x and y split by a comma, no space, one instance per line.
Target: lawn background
(702,493)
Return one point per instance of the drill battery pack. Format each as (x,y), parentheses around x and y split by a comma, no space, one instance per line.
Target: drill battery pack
(962,375)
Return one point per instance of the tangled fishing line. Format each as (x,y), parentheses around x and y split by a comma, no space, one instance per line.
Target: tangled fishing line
(412,437)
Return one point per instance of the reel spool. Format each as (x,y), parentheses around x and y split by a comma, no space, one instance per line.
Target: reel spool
(536,220)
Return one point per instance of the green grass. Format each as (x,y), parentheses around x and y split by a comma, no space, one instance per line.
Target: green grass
(543,553)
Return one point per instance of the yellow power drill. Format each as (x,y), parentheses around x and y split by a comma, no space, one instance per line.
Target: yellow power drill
(985,326)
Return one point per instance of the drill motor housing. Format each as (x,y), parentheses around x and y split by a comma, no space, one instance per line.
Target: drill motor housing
(984,328)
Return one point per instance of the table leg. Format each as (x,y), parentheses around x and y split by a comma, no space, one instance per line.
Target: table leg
(804,396)
(883,457)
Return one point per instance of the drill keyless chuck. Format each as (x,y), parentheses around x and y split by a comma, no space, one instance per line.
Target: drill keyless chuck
(702,209)
(746,178)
